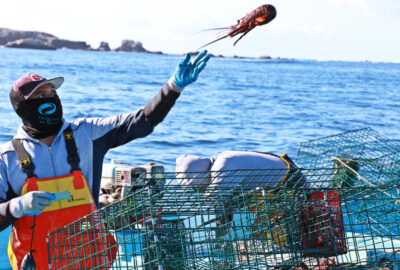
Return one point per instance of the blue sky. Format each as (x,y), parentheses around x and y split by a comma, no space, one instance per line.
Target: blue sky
(354,30)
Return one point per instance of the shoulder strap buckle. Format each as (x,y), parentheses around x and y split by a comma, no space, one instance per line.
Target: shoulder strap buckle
(24,158)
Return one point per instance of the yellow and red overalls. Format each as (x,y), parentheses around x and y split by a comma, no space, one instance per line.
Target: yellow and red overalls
(90,247)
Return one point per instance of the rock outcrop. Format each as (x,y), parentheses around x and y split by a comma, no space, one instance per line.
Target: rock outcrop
(69,44)
(134,46)
(8,35)
(104,47)
(131,46)
(45,41)
(30,43)
(37,40)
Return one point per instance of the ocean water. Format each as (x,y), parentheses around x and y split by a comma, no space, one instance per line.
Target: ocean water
(236,104)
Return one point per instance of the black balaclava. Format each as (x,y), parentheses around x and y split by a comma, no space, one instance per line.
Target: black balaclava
(41,117)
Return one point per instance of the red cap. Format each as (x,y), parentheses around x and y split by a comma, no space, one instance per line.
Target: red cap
(30,82)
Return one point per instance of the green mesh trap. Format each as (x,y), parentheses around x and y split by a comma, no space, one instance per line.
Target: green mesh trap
(370,158)
(228,220)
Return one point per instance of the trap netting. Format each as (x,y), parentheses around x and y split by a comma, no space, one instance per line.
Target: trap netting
(215,221)
(370,158)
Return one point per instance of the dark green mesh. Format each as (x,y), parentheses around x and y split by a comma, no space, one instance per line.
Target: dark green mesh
(166,225)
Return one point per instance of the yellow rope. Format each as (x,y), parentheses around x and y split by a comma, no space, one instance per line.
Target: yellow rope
(340,160)
(368,162)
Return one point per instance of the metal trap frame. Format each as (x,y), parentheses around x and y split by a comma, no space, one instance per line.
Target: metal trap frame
(370,158)
(213,225)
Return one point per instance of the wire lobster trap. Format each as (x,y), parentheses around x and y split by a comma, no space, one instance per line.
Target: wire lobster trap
(204,225)
(370,158)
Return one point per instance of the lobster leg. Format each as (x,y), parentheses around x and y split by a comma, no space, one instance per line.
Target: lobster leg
(241,37)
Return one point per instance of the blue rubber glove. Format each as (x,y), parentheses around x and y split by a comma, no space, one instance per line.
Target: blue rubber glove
(30,204)
(188,72)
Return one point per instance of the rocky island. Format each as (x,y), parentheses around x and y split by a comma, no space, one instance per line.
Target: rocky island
(45,41)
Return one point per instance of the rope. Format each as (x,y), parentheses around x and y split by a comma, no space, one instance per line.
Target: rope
(363,179)
(368,162)
(33,232)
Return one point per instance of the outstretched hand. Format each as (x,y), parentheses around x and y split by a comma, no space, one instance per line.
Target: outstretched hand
(187,72)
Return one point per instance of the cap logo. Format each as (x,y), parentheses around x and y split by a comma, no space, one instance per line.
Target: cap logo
(35,77)
(47,108)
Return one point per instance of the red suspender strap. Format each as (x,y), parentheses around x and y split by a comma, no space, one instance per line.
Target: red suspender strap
(78,181)
(32,184)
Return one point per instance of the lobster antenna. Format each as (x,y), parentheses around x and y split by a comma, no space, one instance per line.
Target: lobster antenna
(213,42)
(210,29)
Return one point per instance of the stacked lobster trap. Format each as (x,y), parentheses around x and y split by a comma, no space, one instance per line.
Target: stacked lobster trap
(314,218)
(370,158)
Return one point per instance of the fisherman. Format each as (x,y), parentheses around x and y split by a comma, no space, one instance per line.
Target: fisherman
(51,159)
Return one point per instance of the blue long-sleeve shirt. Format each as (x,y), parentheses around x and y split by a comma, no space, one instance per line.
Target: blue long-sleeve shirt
(93,137)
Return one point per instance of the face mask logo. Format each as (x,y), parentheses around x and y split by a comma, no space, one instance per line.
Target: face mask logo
(47,108)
